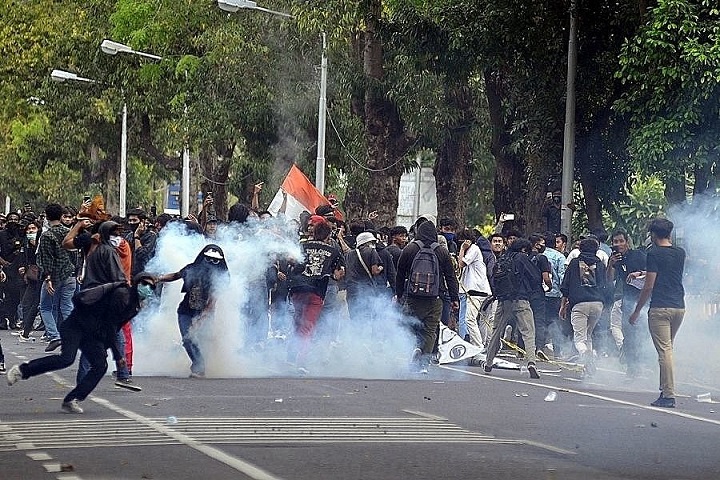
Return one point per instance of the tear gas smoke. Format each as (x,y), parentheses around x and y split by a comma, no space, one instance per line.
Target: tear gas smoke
(235,340)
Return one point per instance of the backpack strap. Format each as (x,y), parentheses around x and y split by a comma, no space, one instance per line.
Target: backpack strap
(362,262)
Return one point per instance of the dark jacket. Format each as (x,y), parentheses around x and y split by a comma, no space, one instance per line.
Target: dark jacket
(427,234)
(590,285)
(103,264)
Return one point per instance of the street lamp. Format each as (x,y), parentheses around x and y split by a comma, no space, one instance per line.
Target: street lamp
(113,48)
(233,6)
(62,76)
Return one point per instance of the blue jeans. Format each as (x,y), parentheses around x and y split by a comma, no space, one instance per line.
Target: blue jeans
(185,322)
(84,364)
(57,307)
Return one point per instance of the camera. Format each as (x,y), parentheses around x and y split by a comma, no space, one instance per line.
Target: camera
(86,198)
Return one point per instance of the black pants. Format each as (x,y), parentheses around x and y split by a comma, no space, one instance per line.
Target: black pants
(73,338)
(30,305)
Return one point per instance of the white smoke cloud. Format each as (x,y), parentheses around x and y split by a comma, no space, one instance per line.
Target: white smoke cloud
(342,346)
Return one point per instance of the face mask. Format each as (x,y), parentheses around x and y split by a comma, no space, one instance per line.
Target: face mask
(115,241)
(557,199)
(145,291)
(448,236)
(31,236)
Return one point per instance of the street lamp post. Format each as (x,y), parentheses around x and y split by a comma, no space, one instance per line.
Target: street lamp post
(62,76)
(110,47)
(233,6)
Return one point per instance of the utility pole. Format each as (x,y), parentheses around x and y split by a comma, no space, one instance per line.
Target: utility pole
(568,166)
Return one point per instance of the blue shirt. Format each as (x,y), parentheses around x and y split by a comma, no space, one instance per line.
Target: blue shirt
(557,262)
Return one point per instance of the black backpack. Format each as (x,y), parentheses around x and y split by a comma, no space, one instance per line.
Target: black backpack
(506,281)
(424,276)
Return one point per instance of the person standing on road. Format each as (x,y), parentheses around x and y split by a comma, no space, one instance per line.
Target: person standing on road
(426,305)
(59,281)
(583,289)
(199,281)
(664,288)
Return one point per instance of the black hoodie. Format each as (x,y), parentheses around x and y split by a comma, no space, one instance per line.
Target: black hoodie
(103,264)
(584,280)
(427,234)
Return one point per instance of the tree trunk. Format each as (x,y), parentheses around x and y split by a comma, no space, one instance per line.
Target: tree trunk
(385,135)
(509,169)
(452,168)
(675,188)
(592,203)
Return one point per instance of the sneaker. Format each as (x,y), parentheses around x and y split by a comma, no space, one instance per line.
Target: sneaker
(23,338)
(128,384)
(542,356)
(13,375)
(53,345)
(417,354)
(197,374)
(664,402)
(72,406)
(423,370)
(487,367)
(2,368)
(533,371)
(303,372)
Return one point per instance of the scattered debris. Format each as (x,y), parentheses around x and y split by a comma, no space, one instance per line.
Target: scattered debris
(171,420)
(551,396)
(704,398)
(66,467)
(278,400)
(653,424)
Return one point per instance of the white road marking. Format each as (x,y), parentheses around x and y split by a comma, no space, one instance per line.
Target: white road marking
(668,411)
(39,456)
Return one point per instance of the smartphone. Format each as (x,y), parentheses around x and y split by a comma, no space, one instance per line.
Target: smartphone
(86,198)
(209,194)
(509,217)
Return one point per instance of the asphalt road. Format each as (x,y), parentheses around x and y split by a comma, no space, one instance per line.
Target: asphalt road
(454,423)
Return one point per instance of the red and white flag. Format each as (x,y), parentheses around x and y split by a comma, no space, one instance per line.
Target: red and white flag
(301,195)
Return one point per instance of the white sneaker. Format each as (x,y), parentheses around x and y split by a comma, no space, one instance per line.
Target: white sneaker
(72,406)
(13,375)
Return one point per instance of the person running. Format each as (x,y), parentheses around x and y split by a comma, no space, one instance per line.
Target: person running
(664,288)
(98,314)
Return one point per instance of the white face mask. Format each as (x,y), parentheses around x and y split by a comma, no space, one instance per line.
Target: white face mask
(115,240)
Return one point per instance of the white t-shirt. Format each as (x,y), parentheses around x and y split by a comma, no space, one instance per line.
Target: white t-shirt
(576,253)
(474,273)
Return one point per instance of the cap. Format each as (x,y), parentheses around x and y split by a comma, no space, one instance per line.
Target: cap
(365,237)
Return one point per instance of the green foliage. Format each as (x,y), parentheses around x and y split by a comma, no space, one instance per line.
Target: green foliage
(645,201)
(672,70)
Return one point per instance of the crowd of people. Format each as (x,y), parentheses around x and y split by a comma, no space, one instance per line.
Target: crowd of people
(532,294)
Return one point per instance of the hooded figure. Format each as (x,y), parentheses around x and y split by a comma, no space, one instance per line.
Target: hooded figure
(199,279)
(102,264)
(92,327)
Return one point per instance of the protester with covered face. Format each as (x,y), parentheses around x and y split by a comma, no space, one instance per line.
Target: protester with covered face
(474,289)
(141,239)
(552,211)
(92,328)
(198,305)
(363,277)
(31,274)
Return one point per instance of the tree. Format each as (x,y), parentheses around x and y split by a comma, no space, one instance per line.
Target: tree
(671,71)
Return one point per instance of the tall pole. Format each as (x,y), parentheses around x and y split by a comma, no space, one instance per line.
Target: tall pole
(185,186)
(123,162)
(320,164)
(568,167)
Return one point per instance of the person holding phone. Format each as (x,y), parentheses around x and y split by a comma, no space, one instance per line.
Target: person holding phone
(624,261)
